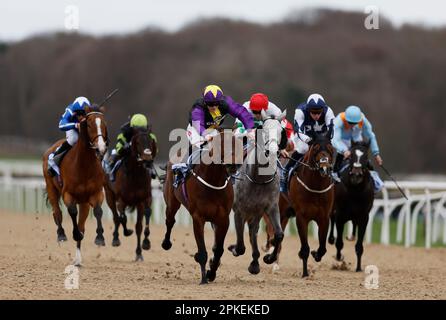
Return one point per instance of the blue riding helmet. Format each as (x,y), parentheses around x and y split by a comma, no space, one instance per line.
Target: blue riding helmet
(80,103)
(353,114)
(316,101)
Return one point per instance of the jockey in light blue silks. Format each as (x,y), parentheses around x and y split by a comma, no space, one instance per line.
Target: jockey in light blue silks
(353,125)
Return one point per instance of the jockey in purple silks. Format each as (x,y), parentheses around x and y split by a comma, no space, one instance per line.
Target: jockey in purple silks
(208,112)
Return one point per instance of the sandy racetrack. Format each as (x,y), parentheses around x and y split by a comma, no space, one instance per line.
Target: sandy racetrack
(32,266)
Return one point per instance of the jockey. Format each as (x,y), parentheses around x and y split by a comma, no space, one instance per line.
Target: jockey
(137,122)
(207,113)
(255,105)
(353,125)
(311,117)
(69,122)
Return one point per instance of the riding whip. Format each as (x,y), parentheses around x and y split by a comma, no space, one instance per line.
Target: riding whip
(108,97)
(394,181)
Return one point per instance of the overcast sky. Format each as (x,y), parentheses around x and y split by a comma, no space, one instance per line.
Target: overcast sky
(20,19)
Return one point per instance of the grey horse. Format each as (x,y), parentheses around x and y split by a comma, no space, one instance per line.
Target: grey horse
(257,191)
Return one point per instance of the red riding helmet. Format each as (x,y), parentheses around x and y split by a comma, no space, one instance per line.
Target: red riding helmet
(258,102)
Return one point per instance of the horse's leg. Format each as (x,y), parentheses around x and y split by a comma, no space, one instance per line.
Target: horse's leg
(322,234)
(302,228)
(111,201)
(84,209)
(362,226)
(269,233)
(238,249)
(138,229)
(72,211)
(331,238)
(253,225)
(147,214)
(123,218)
(339,240)
(201,256)
(220,231)
(53,198)
(352,237)
(274,216)
(283,223)
(171,210)
(97,211)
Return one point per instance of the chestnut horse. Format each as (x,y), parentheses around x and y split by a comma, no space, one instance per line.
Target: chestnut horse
(132,188)
(81,179)
(208,196)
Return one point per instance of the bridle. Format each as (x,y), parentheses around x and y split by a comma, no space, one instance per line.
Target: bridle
(147,151)
(92,141)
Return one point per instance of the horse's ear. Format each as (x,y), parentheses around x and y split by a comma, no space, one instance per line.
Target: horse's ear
(282,115)
(264,115)
(102,109)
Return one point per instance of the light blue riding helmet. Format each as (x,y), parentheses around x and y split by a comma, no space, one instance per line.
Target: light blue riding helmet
(353,114)
(80,103)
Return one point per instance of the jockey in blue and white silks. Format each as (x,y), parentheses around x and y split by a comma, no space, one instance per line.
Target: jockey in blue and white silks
(311,117)
(352,125)
(69,122)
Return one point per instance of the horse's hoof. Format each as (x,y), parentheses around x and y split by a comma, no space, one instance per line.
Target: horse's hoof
(210,275)
(254,268)
(146,244)
(204,281)
(331,240)
(358,269)
(116,243)
(139,258)
(236,251)
(276,268)
(78,236)
(166,244)
(305,274)
(128,232)
(61,237)
(316,256)
(99,241)
(269,259)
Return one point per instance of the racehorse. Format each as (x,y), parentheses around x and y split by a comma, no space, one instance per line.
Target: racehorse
(81,179)
(257,192)
(312,195)
(132,188)
(208,196)
(354,197)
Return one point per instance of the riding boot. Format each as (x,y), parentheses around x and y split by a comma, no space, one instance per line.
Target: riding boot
(56,158)
(337,167)
(284,174)
(114,158)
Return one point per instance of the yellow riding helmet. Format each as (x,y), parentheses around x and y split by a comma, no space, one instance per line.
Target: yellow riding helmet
(138,121)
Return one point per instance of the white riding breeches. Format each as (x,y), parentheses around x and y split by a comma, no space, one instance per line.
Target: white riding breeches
(72,137)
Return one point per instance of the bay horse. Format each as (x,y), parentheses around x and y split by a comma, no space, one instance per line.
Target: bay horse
(257,192)
(208,196)
(312,195)
(81,179)
(132,188)
(354,197)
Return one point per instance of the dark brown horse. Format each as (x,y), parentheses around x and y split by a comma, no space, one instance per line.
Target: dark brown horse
(312,196)
(132,188)
(208,196)
(354,200)
(81,179)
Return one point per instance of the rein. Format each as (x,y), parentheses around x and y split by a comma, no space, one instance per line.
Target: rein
(207,184)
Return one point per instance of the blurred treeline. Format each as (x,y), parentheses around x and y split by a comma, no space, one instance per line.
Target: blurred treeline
(396,75)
